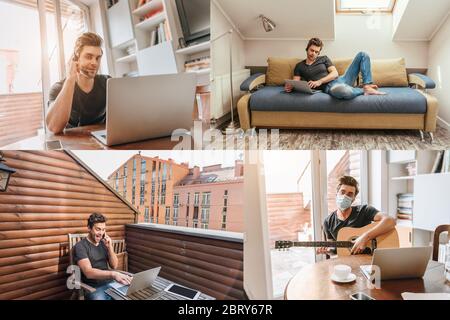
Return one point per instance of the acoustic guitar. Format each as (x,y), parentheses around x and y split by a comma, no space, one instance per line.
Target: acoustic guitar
(345,241)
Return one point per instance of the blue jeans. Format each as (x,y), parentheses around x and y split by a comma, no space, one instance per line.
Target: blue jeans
(342,87)
(100,294)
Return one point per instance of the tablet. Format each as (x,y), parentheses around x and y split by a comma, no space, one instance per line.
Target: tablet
(183,292)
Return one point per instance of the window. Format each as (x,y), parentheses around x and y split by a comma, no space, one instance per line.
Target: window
(146,216)
(206,198)
(167,215)
(224,221)
(125,180)
(23,77)
(196,198)
(346,6)
(117,181)
(205,215)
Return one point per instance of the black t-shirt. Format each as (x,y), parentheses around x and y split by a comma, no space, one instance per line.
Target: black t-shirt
(314,72)
(361,216)
(87,108)
(97,255)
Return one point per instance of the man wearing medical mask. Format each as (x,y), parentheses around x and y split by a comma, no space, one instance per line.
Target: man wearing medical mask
(354,216)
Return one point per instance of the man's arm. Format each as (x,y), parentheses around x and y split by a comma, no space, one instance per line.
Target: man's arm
(112,257)
(385,224)
(332,75)
(59,112)
(97,274)
(288,87)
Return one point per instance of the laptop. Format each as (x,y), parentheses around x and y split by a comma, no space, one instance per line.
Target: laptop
(147,107)
(302,86)
(140,281)
(399,263)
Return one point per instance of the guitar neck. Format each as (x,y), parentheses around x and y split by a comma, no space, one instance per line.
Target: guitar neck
(326,244)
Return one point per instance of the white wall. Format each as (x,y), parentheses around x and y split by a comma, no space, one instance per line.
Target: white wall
(354,33)
(220,48)
(439,69)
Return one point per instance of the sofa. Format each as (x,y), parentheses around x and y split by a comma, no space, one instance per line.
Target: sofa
(408,105)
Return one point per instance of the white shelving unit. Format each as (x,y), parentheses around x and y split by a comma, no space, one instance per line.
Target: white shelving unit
(400,182)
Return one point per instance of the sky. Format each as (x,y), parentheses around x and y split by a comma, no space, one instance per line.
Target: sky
(105,162)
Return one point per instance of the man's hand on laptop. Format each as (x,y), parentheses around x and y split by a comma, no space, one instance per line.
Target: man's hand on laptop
(122,278)
(314,84)
(360,244)
(288,87)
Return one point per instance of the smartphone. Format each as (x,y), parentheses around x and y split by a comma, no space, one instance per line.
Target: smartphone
(361,296)
(53,145)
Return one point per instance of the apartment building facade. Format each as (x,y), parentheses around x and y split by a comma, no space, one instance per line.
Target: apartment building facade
(165,192)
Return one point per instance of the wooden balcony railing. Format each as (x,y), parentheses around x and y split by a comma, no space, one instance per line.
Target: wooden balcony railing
(21,115)
(206,260)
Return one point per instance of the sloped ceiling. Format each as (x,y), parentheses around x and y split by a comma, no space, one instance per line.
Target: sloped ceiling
(421,19)
(295,19)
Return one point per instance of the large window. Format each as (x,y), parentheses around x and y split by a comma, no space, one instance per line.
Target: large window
(32,58)
(350,6)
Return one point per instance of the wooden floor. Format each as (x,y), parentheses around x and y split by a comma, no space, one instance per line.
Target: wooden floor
(355,140)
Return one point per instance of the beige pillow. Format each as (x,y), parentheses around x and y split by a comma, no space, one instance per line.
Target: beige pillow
(280,69)
(389,73)
(341,65)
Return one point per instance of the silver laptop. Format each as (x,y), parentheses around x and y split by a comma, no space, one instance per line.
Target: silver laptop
(147,107)
(302,86)
(140,281)
(400,263)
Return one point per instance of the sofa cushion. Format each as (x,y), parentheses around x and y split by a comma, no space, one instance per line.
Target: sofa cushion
(342,65)
(389,73)
(398,100)
(280,69)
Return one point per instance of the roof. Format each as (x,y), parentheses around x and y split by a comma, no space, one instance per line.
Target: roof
(103,182)
(222,175)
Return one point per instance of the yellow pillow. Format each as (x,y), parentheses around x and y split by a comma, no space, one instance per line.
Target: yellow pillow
(389,73)
(341,65)
(280,69)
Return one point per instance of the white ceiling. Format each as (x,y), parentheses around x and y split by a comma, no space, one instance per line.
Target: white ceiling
(422,19)
(295,19)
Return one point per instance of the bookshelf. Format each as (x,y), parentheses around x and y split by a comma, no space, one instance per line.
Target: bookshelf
(144,40)
(403,169)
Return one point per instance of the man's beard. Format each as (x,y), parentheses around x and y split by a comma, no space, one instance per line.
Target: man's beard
(88,74)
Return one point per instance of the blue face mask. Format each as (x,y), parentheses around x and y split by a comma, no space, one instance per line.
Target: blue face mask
(343,202)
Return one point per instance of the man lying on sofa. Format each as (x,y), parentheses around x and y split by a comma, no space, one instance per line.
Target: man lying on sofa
(321,74)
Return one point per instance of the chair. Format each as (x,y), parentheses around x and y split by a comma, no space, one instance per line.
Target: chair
(437,234)
(122,256)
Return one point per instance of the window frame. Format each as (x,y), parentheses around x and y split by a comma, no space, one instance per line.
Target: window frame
(390,10)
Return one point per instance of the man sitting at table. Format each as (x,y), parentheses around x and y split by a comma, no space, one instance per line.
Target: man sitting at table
(79,99)
(354,216)
(93,254)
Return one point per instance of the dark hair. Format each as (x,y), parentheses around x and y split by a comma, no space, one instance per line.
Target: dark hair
(348,181)
(315,42)
(95,218)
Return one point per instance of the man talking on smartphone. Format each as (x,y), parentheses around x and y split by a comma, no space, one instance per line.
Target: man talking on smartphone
(95,256)
(80,98)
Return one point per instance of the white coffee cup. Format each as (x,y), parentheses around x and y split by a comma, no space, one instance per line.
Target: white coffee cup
(342,271)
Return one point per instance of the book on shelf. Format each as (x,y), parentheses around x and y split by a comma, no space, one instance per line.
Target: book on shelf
(404,216)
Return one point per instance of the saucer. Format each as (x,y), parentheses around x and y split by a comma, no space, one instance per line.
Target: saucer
(351,277)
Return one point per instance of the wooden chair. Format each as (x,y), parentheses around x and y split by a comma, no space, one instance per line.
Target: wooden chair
(119,250)
(437,233)
(77,294)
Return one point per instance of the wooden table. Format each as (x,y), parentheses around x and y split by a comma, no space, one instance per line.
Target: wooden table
(80,138)
(155,292)
(313,282)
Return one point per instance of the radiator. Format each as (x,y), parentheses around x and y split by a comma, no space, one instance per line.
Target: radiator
(221,95)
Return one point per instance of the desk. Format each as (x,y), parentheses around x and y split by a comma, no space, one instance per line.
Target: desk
(80,139)
(313,282)
(155,292)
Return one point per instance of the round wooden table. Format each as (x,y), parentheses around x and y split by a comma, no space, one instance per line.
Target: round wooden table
(313,282)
